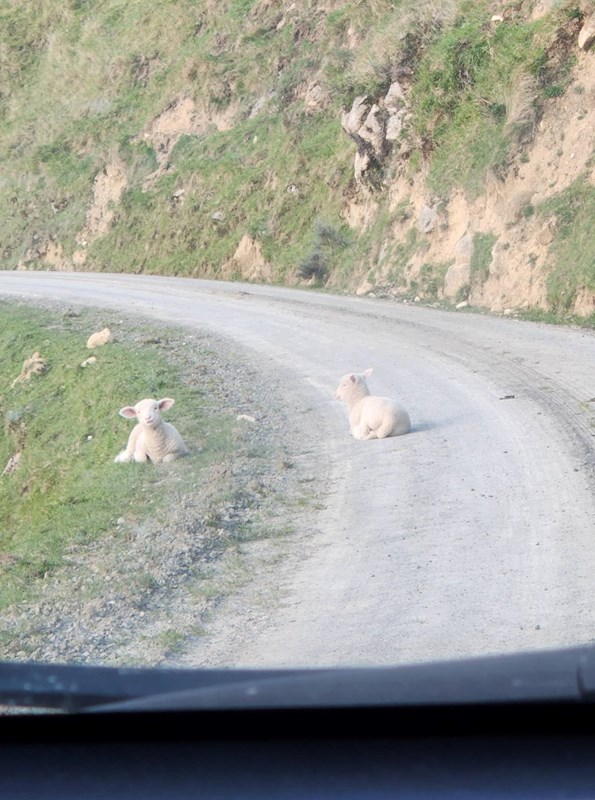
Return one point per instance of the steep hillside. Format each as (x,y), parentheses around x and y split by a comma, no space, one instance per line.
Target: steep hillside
(421,150)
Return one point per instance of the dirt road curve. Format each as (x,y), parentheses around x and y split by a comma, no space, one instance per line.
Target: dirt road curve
(473,534)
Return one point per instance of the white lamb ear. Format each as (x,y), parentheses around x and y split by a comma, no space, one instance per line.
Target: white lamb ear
(368,372)
(166,403)
(128,411)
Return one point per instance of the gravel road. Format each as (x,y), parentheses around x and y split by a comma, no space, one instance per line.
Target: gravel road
(473,534)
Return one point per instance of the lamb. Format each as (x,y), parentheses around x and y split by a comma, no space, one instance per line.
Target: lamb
(151,438)
(371,417)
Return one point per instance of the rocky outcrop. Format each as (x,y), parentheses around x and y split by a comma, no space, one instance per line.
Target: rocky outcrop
(511,213)
(396,108)
(374,126)
(586,37)
(315,98)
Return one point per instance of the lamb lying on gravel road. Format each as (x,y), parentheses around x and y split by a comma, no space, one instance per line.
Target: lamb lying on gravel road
(151,438)
(371,417)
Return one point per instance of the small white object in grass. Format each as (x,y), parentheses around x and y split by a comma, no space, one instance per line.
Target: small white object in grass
(99,338)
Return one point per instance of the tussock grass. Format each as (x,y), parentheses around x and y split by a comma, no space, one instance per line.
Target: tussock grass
(475,97)
(572,254)
(481,257)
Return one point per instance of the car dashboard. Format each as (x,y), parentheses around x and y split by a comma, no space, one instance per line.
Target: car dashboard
(312,741)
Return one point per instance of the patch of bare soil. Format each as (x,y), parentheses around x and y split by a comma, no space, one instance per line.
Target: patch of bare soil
(181,117)
(149,588)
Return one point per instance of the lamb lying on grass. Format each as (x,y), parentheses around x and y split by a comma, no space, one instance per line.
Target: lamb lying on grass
(152,438)
(371,417)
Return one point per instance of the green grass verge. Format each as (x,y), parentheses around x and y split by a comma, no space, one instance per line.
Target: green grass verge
(66,491)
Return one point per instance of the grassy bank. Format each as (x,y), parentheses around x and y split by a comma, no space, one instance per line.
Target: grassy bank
(169,138)
(64,425)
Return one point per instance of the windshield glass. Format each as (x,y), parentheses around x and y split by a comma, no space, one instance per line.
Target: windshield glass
(296,332)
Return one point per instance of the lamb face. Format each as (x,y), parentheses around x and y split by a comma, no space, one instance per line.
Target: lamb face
(352,387)
(147,412)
